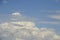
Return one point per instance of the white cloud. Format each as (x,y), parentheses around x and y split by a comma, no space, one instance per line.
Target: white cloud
(26,24)
(32,33)
(25,30)
(55,17)
(16,14)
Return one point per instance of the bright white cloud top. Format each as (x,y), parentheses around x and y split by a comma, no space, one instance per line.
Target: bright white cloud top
(25,30)
(16,14)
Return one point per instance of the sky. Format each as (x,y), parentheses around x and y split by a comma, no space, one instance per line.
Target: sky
(35,19)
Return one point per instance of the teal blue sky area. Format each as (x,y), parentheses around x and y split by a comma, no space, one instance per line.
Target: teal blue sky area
(39,9)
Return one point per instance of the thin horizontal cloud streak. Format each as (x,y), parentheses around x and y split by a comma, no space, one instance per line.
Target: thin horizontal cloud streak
(50,11)
(55,17)
(49,22)
(57,0)
(5,1)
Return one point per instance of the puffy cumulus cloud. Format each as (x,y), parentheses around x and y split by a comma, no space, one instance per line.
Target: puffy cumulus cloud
(25,30)
(26,24)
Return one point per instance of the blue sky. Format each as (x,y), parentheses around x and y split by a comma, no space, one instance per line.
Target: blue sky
(36,8)
(45,13)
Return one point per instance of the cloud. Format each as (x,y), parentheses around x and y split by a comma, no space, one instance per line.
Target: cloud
(16,14)
(49,22)
(23,33)
(25,30)
(57,0)
(5,1)
(55,17)
(50,11)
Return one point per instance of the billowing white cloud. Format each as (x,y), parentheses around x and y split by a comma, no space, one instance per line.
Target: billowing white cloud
(25,30)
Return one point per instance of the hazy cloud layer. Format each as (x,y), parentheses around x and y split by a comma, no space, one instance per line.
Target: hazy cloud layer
(50,22)
(55,16)
(50,11)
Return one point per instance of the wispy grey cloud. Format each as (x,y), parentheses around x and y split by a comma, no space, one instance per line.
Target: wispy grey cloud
(50,11)
(50,22)
(57,0)
(5,1)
